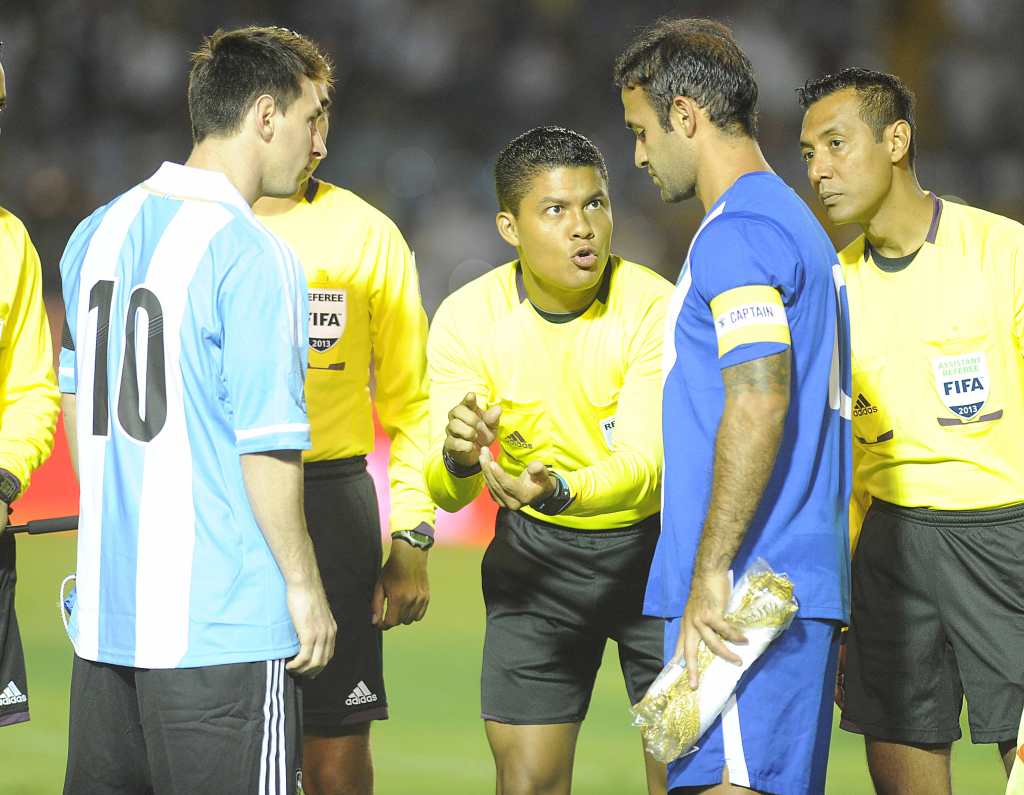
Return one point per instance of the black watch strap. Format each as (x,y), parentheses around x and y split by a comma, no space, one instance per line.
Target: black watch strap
(456,469)
(10,486)
(557,501)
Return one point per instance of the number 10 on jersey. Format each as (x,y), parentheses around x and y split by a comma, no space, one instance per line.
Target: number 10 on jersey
(141,407)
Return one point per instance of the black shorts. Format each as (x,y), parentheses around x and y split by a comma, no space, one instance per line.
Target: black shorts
(938,613)
(215,730)
(13,684)
(553,597)
(344,523)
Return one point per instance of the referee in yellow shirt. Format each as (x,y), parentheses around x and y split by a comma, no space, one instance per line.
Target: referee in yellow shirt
(936,293)
(29,403)
(555,356)
(364,305)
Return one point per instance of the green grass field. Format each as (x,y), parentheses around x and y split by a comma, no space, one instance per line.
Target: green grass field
(434,743)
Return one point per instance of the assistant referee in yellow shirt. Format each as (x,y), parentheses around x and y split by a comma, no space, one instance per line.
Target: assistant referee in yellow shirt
(557,357)
(29,403)
(364,307)
(936,294)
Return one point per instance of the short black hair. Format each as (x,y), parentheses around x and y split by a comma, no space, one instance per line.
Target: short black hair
(884,98)
(233,68)
(537,150)
(696,58)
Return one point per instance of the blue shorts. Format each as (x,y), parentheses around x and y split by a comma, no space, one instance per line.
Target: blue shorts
(774,733)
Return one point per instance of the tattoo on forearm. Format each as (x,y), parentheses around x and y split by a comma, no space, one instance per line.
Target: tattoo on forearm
(749,434)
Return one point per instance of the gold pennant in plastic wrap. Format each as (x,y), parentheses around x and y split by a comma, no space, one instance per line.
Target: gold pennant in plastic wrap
(672,716)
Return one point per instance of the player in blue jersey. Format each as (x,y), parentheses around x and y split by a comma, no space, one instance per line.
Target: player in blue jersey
(756,408)
(182,371)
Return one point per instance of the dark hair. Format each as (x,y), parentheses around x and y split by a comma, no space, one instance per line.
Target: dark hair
(696,58)
(884,99)
(537,150)
(233,68)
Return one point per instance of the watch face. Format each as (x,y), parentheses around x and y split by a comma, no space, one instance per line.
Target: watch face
(9,487)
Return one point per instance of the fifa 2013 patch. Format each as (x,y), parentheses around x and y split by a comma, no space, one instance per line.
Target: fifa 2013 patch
(749,314)
(962,383)
(328,311)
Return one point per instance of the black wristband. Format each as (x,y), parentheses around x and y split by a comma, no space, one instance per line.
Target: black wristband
(458,470)
(10,486)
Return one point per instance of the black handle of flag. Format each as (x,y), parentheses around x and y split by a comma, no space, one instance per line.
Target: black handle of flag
(39,526)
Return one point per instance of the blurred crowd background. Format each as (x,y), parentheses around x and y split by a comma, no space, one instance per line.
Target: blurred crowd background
(429,90)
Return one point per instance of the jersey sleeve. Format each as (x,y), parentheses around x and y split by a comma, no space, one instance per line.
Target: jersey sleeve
(632,473)
(747,272)
(29,401)
(452,374)
(398,334)
(263,309)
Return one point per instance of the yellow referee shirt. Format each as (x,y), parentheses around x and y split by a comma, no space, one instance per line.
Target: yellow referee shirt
(29,401)
(364,302)
(583,397)
(938,374)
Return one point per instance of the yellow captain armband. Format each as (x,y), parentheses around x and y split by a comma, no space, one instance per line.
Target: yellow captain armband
(753,313)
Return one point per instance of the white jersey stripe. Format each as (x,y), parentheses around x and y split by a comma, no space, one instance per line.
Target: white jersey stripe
(167,520)
(100,263)
(282,752)
(270,430)
(732,739)
(266,728)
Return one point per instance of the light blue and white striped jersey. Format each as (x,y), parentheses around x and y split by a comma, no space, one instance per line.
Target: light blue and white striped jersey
(186,347)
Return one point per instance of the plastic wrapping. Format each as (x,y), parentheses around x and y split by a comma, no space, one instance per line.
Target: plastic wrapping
(672,716)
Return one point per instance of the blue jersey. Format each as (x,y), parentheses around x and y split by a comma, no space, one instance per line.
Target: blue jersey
(761,276)
(186,348)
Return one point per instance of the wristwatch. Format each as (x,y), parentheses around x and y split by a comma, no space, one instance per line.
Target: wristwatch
(456,469)
(558,500)
(10,486)
(415,538)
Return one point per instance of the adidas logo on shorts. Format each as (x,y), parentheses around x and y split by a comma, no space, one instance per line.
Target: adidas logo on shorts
(12,695)
(515,439)
(360,695)
(863,406)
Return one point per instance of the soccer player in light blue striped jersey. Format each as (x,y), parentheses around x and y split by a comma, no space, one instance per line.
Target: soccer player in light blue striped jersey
(182,370)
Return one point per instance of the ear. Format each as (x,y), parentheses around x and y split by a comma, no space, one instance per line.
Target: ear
(898,137)
(264,110)
(683,116)
(507,228)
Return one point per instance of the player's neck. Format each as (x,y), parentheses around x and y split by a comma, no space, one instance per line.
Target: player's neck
(224,157)
(550,298)
(900,224)
(728,157)
(272,205)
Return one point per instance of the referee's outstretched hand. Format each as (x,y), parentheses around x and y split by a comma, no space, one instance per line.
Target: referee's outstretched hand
(704,621)
(315,627)
(470,429)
